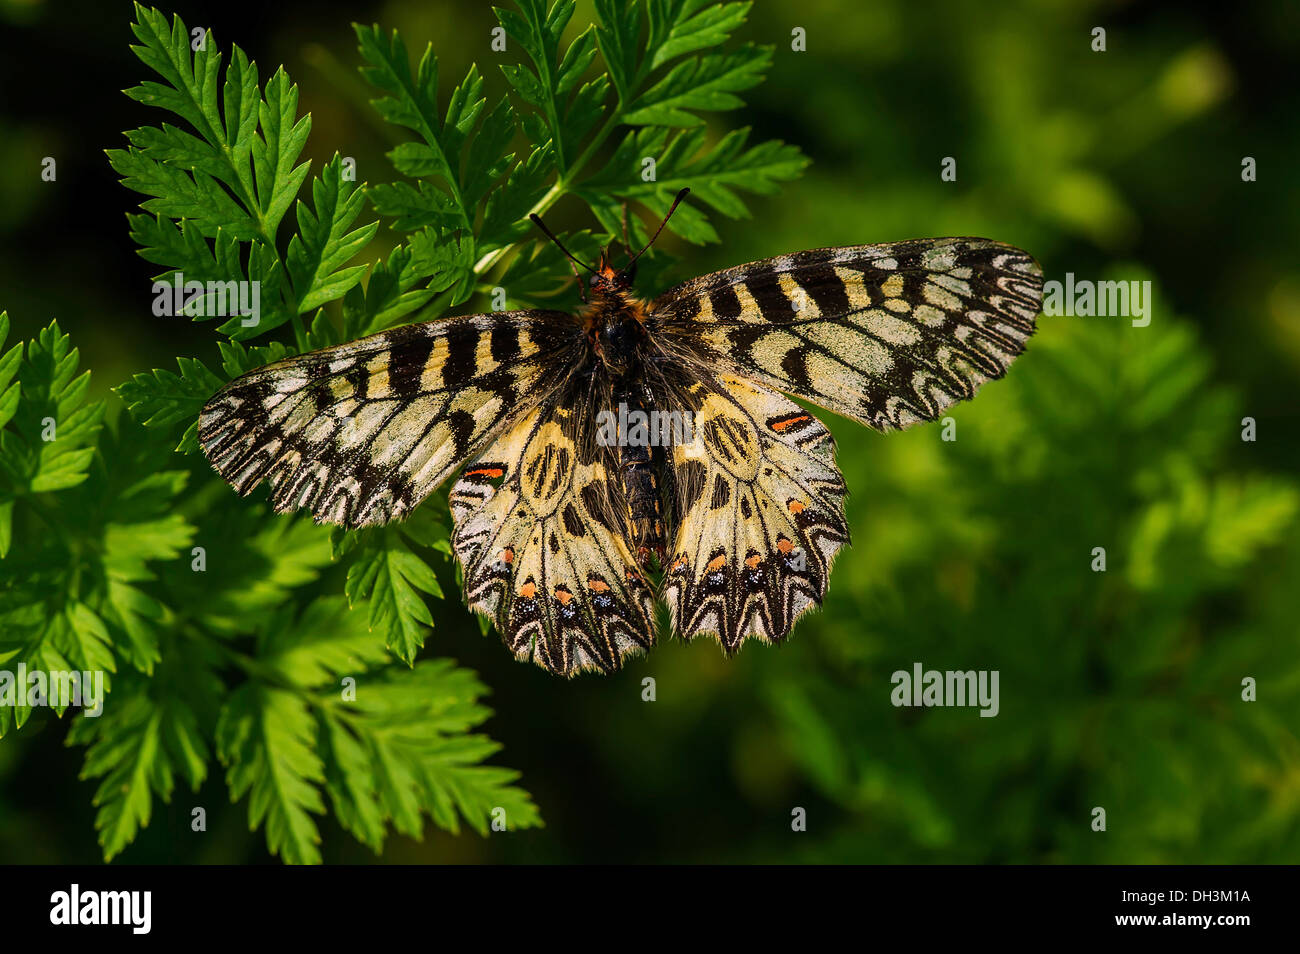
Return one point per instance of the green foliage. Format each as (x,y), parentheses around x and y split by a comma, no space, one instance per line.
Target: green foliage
(470,194)
(390,570)
(225,627)
(162,399)
(221,642)
(50,428)
(1116,690)
(231,179)
(60,597)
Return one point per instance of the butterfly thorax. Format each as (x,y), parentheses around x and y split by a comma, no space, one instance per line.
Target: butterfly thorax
(615,326)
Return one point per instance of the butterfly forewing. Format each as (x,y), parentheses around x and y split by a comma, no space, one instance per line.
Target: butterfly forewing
(889,335)
(360,433)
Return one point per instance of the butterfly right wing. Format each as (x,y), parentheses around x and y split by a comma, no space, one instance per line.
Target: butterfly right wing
(362,432)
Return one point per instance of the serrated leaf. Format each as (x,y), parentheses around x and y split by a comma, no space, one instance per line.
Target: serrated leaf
(488,158)
(81,637)
(388,296)
(388,579)
(548,84)
(619,36)
(447,260)
(403,749)
(678,27)
(505,217)
(266,739)
(324,642)
(50,441)
(191,75)
(262,558)
(217,195)
(707,83)
(415,206)
(350,783)
(324,243)
(274,152)
(237,359)
(128,754)
(133,613)
(154,730)
(715,176)
(162,399)
(179,194)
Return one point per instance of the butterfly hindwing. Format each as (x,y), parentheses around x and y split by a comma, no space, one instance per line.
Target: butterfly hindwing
(362,432)
(889,335)
(540,538)
(760,514)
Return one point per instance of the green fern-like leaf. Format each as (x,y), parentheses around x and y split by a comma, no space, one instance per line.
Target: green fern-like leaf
(217,193)
(214,616)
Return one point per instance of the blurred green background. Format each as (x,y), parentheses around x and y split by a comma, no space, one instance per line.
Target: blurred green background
(1119,689)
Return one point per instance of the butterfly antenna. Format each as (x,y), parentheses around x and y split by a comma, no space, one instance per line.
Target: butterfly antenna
(537,221)
(671,209)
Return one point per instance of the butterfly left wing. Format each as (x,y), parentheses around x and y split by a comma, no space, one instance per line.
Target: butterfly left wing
(540,538)
(889,335)
(759,504)
(360,433)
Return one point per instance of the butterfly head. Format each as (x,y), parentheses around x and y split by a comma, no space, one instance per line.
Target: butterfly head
(606,279)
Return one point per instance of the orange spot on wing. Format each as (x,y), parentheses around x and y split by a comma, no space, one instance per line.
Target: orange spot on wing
(563,595)
(716,564)
(784,545)
(789,422)
(485,472)
(795,506)
(598,586)
(528,590)
(507,555)
(754,561)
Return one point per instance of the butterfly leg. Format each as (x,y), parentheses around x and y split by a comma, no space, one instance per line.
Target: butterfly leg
(627,234)
(582,285)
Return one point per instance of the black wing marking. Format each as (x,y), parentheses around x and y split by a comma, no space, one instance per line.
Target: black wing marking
(889,335)
(362,432)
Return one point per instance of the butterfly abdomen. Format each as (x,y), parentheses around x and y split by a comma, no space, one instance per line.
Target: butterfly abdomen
(638,472)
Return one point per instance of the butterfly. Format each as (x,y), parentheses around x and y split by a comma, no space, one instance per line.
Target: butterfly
(562,507)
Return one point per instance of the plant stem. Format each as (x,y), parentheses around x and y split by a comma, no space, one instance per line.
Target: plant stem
(299,334)
(562,185)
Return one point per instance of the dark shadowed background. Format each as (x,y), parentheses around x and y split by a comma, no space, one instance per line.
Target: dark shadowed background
(1119,689)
